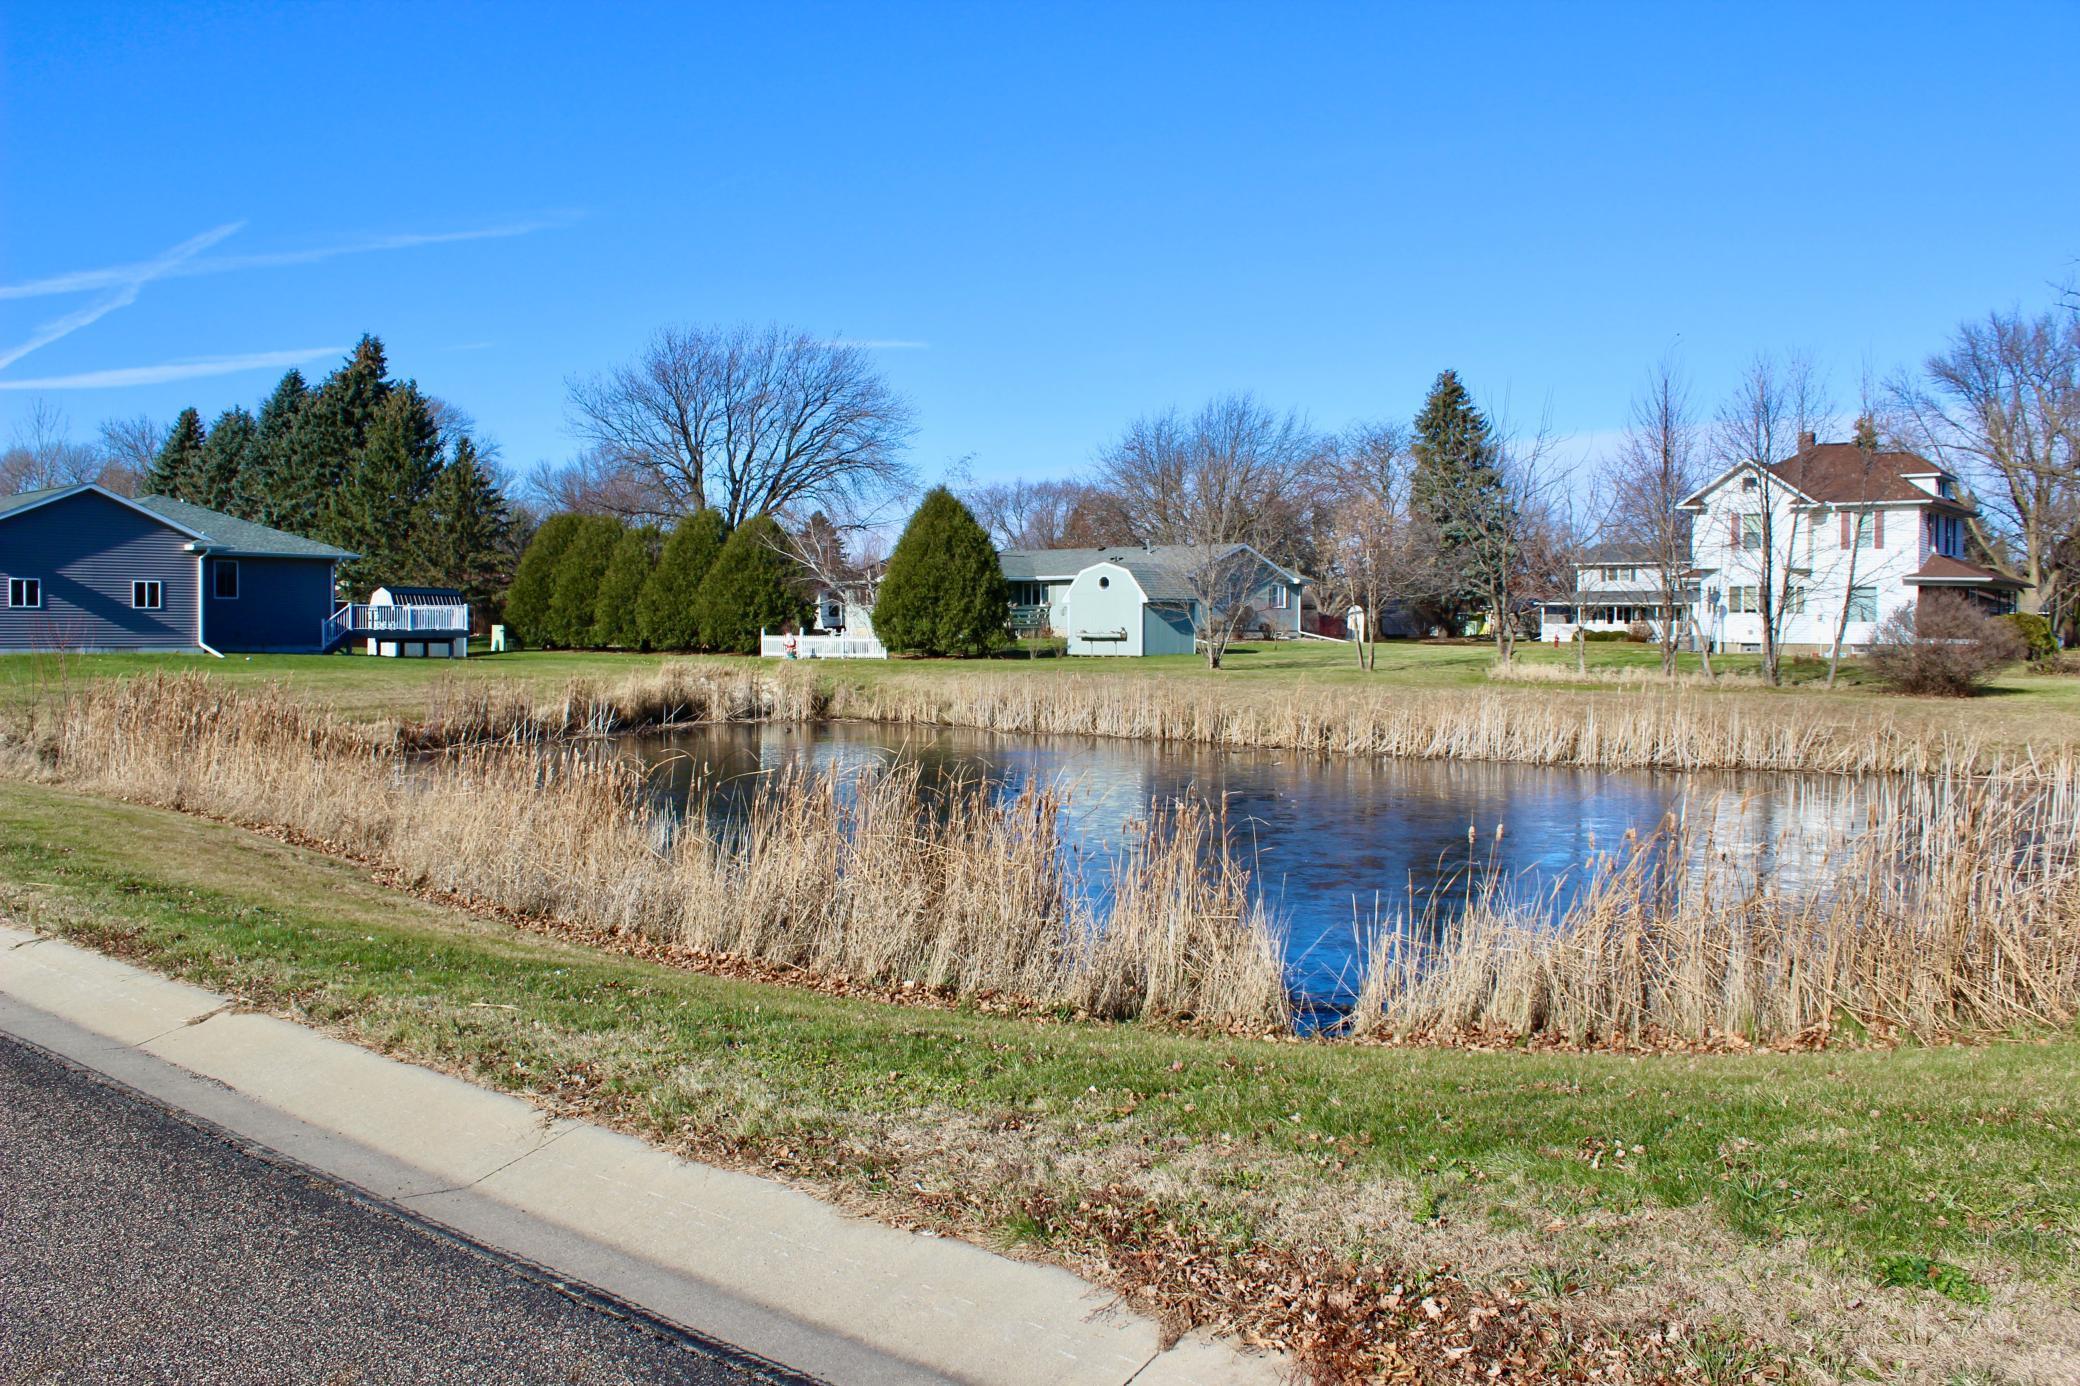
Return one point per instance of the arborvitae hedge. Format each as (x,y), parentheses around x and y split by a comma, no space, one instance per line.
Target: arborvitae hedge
(945,592)
(664,613)
(534,582)
(615,624)
(754,585)
(579,572)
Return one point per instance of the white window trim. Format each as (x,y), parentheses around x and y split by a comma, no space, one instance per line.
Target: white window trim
(23,584)
(144,588)
(218,565)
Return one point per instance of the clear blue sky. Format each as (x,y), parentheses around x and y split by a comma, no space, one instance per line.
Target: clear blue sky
(1057,216)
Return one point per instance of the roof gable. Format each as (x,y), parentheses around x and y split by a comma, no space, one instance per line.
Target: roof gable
(1162,570)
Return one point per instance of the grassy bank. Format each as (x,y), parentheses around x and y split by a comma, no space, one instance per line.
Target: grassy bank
(1907,1215)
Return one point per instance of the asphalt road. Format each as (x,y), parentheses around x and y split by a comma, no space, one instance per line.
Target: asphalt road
(137,1246)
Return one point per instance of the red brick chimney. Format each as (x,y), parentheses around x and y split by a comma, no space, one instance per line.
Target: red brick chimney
(1806,442)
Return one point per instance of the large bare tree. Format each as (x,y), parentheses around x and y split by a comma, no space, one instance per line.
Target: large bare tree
(2000,406)
(41,452)
(750,420)
(1660,464)
(1028,514)
(1211,480)
(1373,549)
(1763,422)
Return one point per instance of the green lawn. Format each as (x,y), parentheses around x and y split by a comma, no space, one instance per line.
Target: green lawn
(2015,704)
(1587,1175)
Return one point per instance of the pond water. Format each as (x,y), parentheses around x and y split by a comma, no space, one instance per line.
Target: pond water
(1332,843)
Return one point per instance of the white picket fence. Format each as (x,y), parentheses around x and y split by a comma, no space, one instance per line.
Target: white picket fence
(821,646)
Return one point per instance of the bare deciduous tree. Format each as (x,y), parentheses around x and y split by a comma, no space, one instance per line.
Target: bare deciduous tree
(1372,550)
(1773,409)
(597,482)
(749,421)
(2001,407)
(1208,481)
(1028,514)
(42,453)
(127,449)
(1659,465)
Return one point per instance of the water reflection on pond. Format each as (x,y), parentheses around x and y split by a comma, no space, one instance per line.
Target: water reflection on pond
(1330,842)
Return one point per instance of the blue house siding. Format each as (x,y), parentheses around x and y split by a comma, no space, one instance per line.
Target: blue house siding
(1167,630)
(87,549)
(281,606)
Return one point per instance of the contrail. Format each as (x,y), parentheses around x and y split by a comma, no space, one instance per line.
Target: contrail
(127,285)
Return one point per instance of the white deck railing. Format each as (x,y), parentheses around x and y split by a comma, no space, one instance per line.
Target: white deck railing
(385,620)
(822,647)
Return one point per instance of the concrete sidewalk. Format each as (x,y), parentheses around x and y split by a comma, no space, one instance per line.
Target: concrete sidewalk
(731,1256)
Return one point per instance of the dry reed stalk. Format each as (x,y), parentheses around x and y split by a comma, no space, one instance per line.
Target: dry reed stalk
(868,876)
(1955,909)
(1517,671)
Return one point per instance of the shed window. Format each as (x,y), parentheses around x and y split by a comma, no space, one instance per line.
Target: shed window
(25,591)
(1104,582)
(224,579)
(147,595)
(1281,598)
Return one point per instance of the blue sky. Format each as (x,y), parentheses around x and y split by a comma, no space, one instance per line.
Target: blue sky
(1056,217)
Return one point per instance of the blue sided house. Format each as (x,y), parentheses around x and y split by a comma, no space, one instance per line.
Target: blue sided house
(88,570)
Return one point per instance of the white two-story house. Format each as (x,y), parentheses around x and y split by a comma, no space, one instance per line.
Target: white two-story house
(1616,587)
(1841,538)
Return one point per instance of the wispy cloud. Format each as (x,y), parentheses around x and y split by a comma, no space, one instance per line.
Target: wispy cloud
(174,370)
(878,343)
(125,286)
(83,281)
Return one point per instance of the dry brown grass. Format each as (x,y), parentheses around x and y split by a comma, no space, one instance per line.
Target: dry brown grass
(868,876)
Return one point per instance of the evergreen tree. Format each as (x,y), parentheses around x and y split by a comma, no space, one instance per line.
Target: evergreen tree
(273,498)
(574,598)
(228,470)
(177,470)
(616,620)
(534,577)
(380,509)
(1454,488)
(944,592)
(468,525)
(753,586)
(664,613)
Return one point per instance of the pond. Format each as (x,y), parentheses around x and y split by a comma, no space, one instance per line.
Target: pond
(1333,844)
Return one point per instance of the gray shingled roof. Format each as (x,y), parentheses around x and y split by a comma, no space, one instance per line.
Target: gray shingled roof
(1163,570)
(239,537)
(223,533)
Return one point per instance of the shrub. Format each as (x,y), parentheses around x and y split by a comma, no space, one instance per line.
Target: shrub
(2039,643)
(752,586)
(534,581)
(944,593)
(615,622)
(1639,632)
(1606,636)
(580,569)
(1944,645)
(665,610)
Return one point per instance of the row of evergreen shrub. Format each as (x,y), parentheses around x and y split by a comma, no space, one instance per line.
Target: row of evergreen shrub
(596,582)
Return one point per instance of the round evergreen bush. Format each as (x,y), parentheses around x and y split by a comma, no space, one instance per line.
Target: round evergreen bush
(616,623)
(665,610)
(582,567)
(534,581)
(944,593)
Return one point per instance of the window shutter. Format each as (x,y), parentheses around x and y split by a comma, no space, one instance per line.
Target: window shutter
(1877,529)
(1848,533)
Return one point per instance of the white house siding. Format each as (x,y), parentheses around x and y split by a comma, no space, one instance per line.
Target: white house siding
(1806,539)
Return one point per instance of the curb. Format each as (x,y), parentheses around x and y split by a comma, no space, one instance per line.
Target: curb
(725,1257)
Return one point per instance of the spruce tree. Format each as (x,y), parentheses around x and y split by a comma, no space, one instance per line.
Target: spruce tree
(944,592)
(574,598)
(274,496)
(466,537)
(616,622)
(753,586)
(664,612)
(534,577)
(177,470)
(381,506)
(1454,487)
(228,469)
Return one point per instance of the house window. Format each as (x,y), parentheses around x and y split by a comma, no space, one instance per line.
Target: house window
(1281,598)
(224,579)
(1866,531)
(1795,601)
(1863,603)
(25,591)
(1751,532)
(147,595)
(1742,600)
